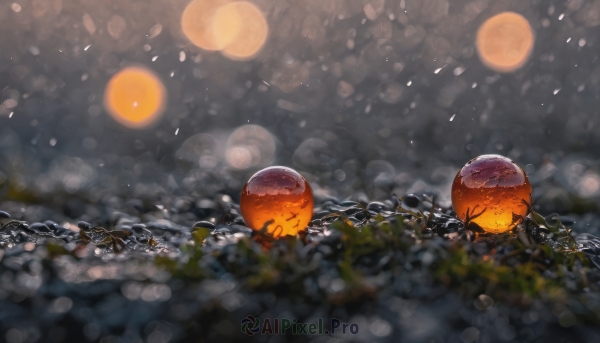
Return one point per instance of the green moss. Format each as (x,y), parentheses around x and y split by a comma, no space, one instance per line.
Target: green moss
(515,270)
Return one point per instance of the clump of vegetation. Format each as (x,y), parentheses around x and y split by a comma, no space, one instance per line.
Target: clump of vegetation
(538,261)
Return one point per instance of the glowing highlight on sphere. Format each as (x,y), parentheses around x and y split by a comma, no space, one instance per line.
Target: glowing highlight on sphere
(135,97)
(493,192)
(505,41)
(279,199)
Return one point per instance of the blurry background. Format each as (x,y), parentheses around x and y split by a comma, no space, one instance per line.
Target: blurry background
(363,97)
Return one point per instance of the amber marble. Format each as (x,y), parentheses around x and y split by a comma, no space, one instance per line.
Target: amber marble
(494,187)
(279,199)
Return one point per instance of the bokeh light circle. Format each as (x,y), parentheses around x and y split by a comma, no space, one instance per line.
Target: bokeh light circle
(313,154)
(135,97)
(505,41)
(250,146)
(242,27)
(202,150)
(197,20)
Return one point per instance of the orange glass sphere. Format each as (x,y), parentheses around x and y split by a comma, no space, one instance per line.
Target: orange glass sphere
(504,41)
(493,192)
(135,97)
(279,199)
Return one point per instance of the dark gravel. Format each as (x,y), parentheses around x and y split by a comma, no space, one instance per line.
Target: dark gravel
(159,281)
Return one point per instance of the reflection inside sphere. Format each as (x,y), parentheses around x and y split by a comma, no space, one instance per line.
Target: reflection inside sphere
(250,146)
(277,199)
(493,192)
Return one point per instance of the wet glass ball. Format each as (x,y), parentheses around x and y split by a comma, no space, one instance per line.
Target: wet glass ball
(279,199)
(493,192)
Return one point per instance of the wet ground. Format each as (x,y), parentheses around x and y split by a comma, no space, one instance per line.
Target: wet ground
(366,99)
(191,271)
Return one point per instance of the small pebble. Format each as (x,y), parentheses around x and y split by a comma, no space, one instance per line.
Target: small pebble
(376,206)
(223,230)
(240,228)
(84,225)
(39,227)
(411,200)
(204,224)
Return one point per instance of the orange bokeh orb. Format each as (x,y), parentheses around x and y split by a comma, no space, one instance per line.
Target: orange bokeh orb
(505,41)
(135,97)
(197,20)
(242,27)
(236,28)
(279,199)
(494,191)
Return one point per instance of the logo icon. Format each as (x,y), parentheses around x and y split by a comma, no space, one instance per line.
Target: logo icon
(250,325)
